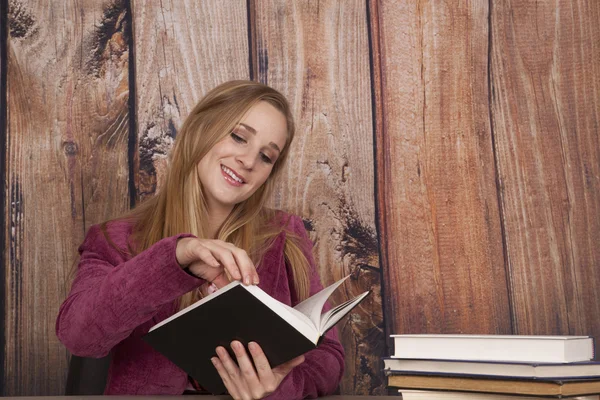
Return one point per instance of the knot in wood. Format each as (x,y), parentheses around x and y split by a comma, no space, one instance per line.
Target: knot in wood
(70,148)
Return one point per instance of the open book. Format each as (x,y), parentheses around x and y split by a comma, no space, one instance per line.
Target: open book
(245,313)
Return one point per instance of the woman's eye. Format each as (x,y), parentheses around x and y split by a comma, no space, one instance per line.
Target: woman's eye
(237,138)
(265,158)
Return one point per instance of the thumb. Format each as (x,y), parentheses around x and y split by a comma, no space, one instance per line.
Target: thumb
(286,367)
(294,362)
(220,280)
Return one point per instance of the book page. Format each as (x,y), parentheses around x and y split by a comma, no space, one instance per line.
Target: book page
(331,317)
(313,306)
(293,317)
(299,315)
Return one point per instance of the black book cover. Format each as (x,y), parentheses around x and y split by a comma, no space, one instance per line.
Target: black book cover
(190,340)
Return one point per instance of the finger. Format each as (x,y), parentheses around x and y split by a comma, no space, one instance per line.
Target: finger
(263,368)
(225,257)
(227,381)
(244,263)
(220,280)
(229,365)
(294,362)
(205,255)
(286,367)
(246,266)
(245,364)
(234,372)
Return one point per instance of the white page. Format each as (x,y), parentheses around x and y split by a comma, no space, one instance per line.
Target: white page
(270,301)
(313,306)
(301,323)
(334,310)
(332,316)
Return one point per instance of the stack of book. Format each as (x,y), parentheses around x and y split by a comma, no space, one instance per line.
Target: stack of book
(493,367)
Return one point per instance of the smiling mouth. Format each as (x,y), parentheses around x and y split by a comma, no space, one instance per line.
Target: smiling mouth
(229,173)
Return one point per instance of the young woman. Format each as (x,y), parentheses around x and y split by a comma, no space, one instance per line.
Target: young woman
(207,224)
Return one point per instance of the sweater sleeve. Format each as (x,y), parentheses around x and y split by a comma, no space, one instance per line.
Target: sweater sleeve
(109,297)
(323,368)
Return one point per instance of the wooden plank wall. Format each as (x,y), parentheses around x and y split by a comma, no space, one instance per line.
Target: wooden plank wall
(488,165)
(441,234)
(546,123)
(66,167)
(447,156)
(183,49)
(324,72)
(3,107)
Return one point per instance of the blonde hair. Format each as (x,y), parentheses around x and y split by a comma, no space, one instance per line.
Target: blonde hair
(179,206)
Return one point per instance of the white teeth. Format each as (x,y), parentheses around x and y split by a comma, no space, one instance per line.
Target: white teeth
(231,174)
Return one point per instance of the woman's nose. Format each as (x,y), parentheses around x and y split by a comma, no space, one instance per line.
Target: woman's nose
(246,160)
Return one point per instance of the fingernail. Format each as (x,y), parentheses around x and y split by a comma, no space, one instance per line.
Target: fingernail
(256,279)
(247,280)
(214,360)
(252,346)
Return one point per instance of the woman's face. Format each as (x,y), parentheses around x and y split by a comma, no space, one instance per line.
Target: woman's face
(242,161)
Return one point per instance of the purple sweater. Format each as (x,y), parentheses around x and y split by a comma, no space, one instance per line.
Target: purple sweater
(116,299)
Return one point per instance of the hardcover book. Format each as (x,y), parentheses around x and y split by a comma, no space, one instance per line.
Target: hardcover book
(438,395)
(548,388)
(580,370)
(248,314)
(517,348)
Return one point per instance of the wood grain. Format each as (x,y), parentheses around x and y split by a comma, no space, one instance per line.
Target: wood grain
(317,54)
(486,227)
(438,209)
(183,49)
(3,202)
(66,167)
(546,108)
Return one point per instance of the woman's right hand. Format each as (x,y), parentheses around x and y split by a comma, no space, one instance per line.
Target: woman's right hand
(209,259)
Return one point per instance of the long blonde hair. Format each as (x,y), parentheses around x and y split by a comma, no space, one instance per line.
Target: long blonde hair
(179,205)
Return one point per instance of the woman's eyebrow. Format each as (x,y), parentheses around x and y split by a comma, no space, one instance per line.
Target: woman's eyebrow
(253,131)
(248,128)
(273,145)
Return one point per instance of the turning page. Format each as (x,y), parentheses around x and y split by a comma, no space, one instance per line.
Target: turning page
(331,317)
(313,306)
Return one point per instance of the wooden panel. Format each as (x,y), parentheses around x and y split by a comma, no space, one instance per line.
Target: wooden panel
(183,49)
(438,208)
(317,54)
(3,39)
(546,108)
(66,167)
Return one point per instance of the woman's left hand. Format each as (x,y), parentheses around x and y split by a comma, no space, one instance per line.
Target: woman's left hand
(254,378)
